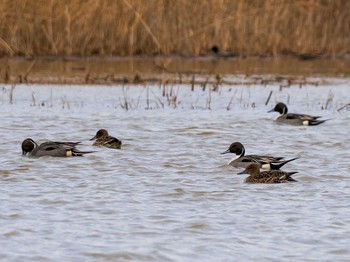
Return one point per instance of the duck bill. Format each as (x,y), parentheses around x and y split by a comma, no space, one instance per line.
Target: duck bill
(226,152)
(24,153)
(241,173)
(93,138)
(270,111)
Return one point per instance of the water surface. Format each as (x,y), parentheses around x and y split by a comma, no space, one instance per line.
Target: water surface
(168,195)
(112,70)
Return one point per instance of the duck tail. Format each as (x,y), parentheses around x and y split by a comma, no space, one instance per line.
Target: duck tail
(288,177)
(76,152)
(276,166)
(289,174)
(316,122)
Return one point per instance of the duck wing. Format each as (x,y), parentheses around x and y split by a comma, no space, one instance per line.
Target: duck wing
(60,149)
(277,176)
(50,146)
(301,117)
(249,159)
(111,141)
(68,144)
(265,159)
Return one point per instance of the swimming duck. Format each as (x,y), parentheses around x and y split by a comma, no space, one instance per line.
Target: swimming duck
(265,162)
(50,148)
(215,49)
(272,176)
(104,139)
(294,119)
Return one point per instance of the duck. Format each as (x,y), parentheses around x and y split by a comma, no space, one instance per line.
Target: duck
(104,139)
(263,161)
(267,177)
(215,49)
(51,148)
(295,119)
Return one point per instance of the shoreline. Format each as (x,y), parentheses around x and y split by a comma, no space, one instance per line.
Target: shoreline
(174,69)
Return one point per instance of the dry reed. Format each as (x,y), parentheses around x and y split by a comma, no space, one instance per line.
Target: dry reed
(33,99)
(329,100)
(268,98)
(344,106)
(11,93)
(165,27)
(231,100)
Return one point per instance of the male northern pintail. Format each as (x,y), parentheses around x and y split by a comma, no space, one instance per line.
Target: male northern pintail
(294,119)
(104,139)
(272,176)
(265,162)
(50,148)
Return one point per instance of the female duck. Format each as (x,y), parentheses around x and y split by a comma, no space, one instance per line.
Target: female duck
(104,139)
(268,177)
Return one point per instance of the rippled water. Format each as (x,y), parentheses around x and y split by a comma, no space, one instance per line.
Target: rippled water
(168,195)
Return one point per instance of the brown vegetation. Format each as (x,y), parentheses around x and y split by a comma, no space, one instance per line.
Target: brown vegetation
(182,27)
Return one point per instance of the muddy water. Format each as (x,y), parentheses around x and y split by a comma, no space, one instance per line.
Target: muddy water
(140,69)
(168,195)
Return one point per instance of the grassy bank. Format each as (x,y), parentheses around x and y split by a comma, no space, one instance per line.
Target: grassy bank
(181,27)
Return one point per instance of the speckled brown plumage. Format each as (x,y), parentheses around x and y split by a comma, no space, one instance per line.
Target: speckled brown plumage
(104,139)
(272,176)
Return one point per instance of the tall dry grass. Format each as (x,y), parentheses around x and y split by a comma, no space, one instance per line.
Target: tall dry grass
(184,27)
